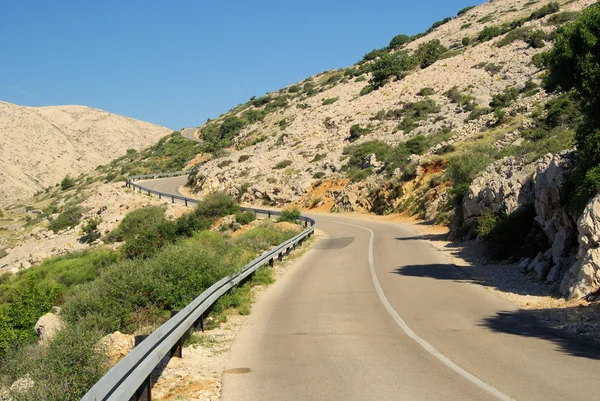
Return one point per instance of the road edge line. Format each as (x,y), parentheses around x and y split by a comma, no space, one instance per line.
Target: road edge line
(409,332)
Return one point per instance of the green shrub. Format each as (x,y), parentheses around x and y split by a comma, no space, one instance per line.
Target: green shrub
(426,92)
(319,174)
(90,230)
(506,98)
(399,40)
(283,164)
(330,101)
(478,112)
(374,54)
(464,168)
(488,33)
(243,158)
(366,90)
(65,370)
(564,17)
(137,222)
(548,9)
(356,132)
(437,24)
(466,41)
(215,205)
(245,217)
(289,215)
(465,101)
(486,223)
(391,65)
(294,88)
(464,10)
(67,183)
(492,68)
(514,35)
(540,59)
(417,145)
(70,217)
(429,52)
(224,163)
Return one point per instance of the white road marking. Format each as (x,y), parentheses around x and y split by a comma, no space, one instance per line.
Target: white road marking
(428,347)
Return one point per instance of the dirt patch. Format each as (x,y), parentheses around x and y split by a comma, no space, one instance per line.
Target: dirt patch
(325,192)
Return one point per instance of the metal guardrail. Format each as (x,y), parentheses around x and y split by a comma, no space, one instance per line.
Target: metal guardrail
(130,378)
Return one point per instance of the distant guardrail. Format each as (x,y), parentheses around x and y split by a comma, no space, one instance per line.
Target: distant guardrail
(131,377)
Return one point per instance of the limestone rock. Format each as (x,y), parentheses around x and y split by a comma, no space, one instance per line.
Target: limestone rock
(505,187)
(584,275)
(541,270)
(47,326)
(551,173)
(116,346)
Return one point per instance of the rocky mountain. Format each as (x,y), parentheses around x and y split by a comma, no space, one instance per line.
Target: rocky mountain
(451,125)
(39,146)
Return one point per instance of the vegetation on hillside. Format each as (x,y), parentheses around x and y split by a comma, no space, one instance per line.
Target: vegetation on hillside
(574,65)
(101,291)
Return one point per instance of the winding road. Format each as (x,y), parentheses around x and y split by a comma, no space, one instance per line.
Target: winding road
(371,312)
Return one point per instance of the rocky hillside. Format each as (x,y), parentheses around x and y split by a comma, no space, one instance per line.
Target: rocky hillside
(280,144)
(451,125)
(41,145)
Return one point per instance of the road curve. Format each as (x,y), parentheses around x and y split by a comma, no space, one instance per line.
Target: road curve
(190,133)
(374,313)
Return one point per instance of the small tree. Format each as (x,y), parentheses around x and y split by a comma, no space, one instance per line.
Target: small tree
(389,65)
(428,53)
(399,40)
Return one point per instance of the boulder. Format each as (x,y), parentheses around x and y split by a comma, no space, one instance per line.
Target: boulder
(561,245)
(116,345)
(541,270)
(47,326)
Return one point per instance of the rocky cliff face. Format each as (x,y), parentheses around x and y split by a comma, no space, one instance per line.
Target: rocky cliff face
(39,146)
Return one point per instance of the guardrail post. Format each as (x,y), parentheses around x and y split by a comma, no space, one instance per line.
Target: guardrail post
(148,192)
(269,214)
(172,199)
(185,202)
(280,256)
(144,392)
(271,262)
(159,196)
(177,348)
(199,323)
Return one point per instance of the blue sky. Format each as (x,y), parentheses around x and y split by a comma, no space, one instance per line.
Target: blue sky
(177,63)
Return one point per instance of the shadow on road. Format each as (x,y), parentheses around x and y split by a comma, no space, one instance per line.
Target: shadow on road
(526,323)
(571,329)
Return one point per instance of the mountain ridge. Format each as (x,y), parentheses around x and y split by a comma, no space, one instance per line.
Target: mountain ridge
(42,145)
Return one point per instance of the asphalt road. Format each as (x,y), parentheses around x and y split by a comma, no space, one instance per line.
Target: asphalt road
(373,313)
(189,133)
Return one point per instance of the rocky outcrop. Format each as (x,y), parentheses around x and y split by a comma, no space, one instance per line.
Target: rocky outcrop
(47,326)
(504,187)
(508,186)
(116,345)
(584,275)
(551,173)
